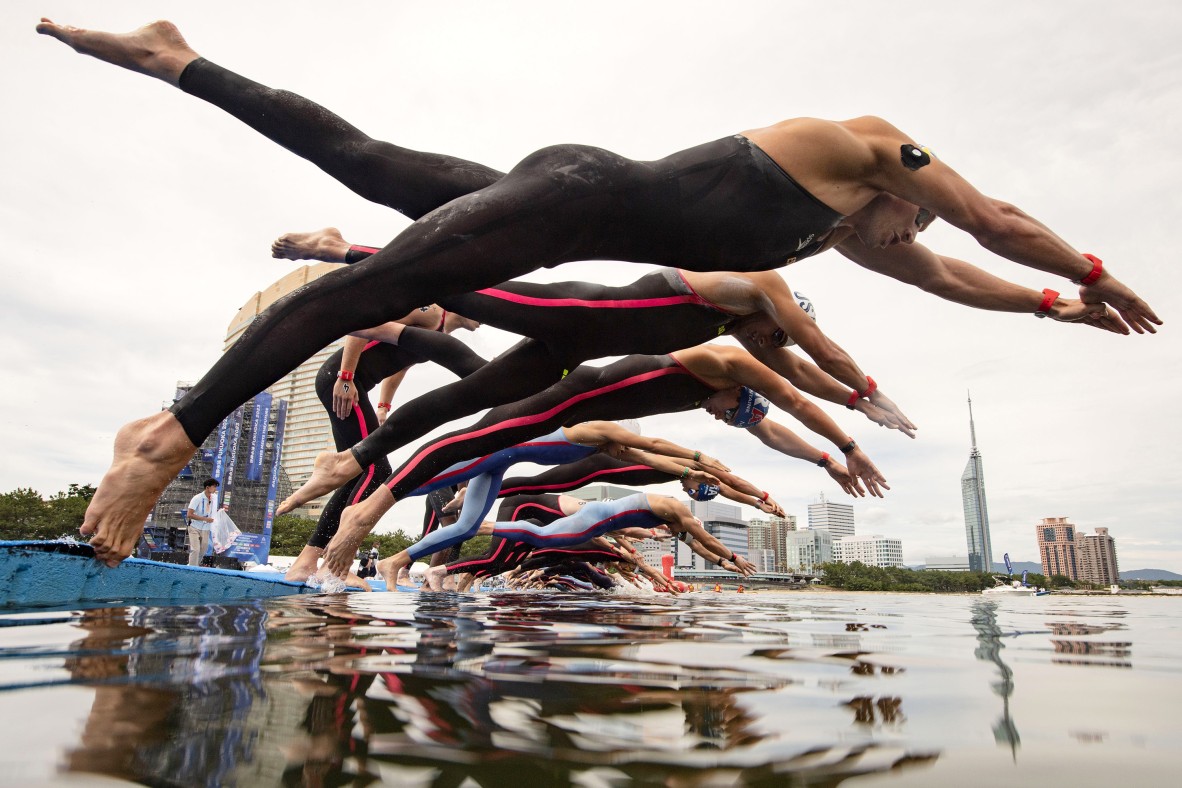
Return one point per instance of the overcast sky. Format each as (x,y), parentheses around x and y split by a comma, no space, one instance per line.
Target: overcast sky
(136,220)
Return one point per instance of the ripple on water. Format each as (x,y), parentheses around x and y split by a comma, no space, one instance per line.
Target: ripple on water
(551,688)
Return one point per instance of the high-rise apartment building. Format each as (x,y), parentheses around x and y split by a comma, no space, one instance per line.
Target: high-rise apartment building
(1096,557)
(805,551)
(308,430)
(873,550)
(1056,547)
(836,518)
(767,533)
(976,512)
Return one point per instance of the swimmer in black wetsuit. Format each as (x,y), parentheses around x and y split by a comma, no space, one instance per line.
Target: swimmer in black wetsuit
(354,370)
(859,185)
(721,380)
(572,322)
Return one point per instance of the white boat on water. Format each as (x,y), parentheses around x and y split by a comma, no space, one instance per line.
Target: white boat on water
(1013,588)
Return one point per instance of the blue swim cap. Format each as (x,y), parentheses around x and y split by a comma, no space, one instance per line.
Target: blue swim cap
(704,492)
(751,409)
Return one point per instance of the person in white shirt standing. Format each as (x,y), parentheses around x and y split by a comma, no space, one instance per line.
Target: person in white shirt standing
(200,517)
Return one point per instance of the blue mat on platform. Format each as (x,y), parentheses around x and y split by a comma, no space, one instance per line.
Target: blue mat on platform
(40,574)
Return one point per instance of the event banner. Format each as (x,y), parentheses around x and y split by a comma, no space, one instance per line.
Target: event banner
(231,460)
(273,481)
(258,436)
(219,452)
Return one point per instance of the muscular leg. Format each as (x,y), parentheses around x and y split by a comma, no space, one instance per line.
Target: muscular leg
(411,182)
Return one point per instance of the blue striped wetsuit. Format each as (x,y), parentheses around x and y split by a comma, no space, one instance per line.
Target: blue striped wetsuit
(594,519)
(485,474)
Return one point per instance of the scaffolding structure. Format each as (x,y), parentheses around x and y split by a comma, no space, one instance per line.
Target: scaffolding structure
(243,455)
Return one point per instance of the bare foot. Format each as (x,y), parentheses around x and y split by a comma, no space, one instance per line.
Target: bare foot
(356,523)
(404,576)
(305,565)
(149,453)
(389,568)
(157,49)
(332,469)
(354,581)
(327,245)
(435,577)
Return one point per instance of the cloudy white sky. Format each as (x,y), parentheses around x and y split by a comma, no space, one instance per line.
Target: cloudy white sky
(136,220)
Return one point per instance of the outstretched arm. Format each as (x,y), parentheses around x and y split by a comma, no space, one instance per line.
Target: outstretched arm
(717,560)
(778,301)
(748,371)
(779,438)
(681,519)
(998,226)
(808,377)
(681,469)
(593,433)
(964,283)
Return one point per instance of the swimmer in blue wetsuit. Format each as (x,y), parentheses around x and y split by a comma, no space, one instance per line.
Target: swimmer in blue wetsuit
(748,202)
(602,517)
(563,445)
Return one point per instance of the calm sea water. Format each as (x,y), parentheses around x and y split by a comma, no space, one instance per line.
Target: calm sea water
(801,689)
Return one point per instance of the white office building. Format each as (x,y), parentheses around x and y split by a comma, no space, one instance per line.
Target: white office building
(836,518)
(805,551)
(873,550)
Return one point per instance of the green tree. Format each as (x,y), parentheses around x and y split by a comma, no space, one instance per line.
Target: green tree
(289,534)
(66,510)
(857,576)
(23,515)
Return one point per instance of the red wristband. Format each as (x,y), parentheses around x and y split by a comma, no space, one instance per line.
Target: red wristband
(764,498)
(385,405)
(871,387)
(345,375)
(1097,270)
(1048,300)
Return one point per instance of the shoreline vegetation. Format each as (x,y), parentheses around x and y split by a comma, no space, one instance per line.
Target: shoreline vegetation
(24,514)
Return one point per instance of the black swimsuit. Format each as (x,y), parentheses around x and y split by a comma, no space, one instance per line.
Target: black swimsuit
(720,206)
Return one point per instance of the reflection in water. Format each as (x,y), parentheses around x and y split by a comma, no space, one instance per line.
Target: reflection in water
(989,636)
(1113,654)
(444,690)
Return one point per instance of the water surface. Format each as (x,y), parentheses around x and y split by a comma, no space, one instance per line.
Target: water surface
(542,689)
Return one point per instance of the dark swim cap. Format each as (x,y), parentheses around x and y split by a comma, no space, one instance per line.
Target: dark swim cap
(704,492)
(751,409)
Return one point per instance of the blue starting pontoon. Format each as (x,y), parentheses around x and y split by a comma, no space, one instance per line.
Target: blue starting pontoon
(40,574)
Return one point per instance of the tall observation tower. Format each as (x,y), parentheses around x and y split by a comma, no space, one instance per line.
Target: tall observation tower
(976,512)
